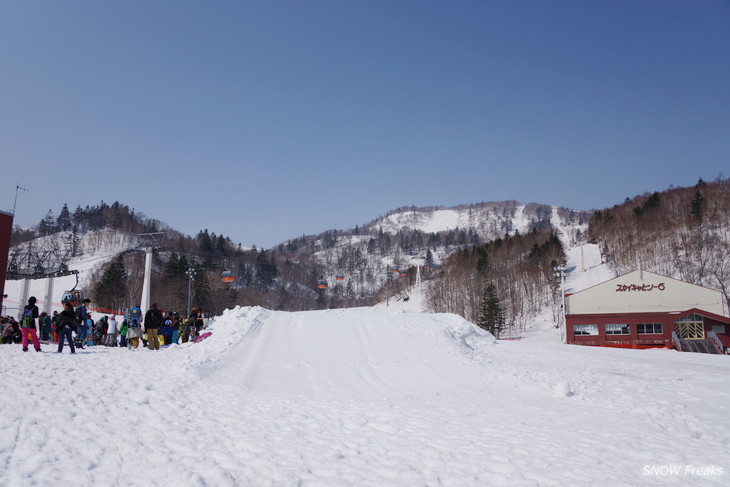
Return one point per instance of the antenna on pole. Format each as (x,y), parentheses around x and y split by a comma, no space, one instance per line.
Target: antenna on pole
(17,189)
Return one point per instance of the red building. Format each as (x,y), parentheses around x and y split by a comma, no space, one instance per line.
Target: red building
(6,227)
(646,310)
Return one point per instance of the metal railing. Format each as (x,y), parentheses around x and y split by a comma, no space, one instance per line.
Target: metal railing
(715,340)
(676,341)
(6,310)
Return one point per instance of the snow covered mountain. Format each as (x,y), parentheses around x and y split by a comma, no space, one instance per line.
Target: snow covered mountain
(487,220)
(403,239)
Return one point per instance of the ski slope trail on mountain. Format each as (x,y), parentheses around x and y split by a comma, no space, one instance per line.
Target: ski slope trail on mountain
(362,397)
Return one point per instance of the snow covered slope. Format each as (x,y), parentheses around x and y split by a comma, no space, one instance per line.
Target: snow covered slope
(362,397)
(585,268)
(488,220)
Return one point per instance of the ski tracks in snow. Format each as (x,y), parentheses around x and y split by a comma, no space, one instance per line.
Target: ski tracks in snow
(357,399)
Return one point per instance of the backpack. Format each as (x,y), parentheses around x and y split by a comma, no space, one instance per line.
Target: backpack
(79,315)
(134,317)
(27,320)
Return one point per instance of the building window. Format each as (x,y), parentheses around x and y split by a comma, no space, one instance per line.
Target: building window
(649,328)
(622,329)
(585,329)
(693,318)
(690,327)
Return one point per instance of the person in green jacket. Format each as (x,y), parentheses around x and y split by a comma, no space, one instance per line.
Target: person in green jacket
(123,333)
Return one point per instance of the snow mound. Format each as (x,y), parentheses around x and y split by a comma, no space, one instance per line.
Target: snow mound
(344,352)
(563,389)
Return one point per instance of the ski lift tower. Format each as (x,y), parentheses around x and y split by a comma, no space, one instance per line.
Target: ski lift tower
(148,242)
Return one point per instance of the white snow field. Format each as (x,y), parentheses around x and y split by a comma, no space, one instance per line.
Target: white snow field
(362,397)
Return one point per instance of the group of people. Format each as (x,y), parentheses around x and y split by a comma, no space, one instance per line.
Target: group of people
(155,327)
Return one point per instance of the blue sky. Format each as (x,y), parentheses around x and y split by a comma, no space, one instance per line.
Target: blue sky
(264,121)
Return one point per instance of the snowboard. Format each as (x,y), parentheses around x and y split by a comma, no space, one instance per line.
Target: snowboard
(202,337)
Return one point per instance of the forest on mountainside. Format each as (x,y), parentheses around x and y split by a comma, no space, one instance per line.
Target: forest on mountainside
(522,269)
(681,232)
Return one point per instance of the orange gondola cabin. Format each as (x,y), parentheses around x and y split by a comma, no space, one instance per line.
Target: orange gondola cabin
(228,276)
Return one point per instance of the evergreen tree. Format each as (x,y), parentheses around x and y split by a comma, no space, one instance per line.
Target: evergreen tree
(175,281)
(201,287)
(491,314)
(182,266)
(266,271)
(221,245)
(483,262)
(429,258)
(204,242)
(47,226)
(697,206)
(652,202)
(63,222)
(175,267)
(115,215)
(111,291)
(371,246)
(78,219)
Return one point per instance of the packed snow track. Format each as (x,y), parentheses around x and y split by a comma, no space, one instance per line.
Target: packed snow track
(362,397)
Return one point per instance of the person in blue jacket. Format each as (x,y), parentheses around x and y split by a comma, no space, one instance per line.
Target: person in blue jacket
(81,316)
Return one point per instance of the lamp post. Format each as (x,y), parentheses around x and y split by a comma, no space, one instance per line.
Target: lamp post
(191,277)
